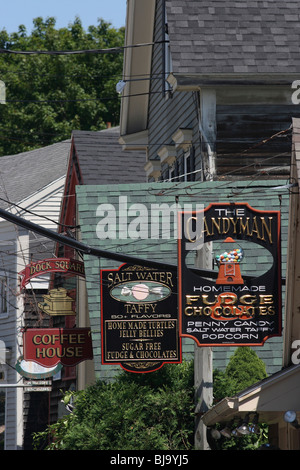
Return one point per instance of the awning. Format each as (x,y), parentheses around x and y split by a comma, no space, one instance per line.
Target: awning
(269,398)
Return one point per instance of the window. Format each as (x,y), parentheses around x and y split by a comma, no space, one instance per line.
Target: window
(3,296)
(187,166)
(171,173)
(167,61)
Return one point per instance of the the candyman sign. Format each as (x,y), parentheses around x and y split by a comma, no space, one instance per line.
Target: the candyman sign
(51,346)
(139,318)
(233,308)
(61,265)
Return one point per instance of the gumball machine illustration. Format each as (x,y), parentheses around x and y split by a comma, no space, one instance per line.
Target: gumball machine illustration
(229,263)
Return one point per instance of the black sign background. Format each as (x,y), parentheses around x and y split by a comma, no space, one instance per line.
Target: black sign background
(139,318)
(258,298)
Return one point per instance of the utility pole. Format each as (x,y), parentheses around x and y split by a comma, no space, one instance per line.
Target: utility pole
(203,368)
(203,357)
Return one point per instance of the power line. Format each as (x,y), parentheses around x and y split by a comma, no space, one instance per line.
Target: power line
(112,50)
(88,250)
(37,215)
(104,98)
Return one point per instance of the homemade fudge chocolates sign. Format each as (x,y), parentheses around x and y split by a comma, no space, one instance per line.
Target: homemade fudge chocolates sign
(139,318)
(232,308)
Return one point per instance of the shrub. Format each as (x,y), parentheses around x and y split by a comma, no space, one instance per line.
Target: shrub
(135,412)
(243,370)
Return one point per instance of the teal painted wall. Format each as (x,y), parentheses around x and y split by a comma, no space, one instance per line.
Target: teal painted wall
(259,194)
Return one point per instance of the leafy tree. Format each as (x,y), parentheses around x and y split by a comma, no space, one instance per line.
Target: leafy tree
(243,370)
(49,96)
(135,412)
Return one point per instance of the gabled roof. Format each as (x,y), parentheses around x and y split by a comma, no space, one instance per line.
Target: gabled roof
(98,158)
(211,41)
(140,24)
(102,161)
(26,173)
(234,37)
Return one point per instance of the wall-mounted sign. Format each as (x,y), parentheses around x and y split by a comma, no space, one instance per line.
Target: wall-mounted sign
(51,346)
(234,307)
(59,265)
(139,318)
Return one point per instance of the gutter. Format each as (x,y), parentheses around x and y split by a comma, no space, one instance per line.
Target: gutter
(224,409)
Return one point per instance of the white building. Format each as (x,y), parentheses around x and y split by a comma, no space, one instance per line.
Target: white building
(31,186)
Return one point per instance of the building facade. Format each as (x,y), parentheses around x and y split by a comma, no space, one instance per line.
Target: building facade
(33,192)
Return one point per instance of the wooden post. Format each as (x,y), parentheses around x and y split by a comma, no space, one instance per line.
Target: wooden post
(203,367)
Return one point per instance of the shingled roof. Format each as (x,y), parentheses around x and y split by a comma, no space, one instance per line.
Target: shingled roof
(23,174)
(234,37)
(102,160)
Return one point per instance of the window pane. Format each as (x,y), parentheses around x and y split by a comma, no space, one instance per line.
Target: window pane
(3,295)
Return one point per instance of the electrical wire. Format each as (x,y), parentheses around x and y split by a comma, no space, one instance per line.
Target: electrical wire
(190,186)
(102,98)
(111,50)
(23,209)
(270,140)
(267,187)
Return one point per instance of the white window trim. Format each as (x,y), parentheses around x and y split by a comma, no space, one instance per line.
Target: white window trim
(186,171)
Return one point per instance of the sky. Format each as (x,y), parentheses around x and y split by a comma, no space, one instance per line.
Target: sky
(17,12)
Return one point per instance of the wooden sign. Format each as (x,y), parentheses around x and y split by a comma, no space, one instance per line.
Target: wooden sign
(57,302)
(51,346)
(32,370)
(139,318)
(232,308)
(50,265)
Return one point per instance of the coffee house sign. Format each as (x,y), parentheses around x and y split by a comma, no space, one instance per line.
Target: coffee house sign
(234,307)
(49,347)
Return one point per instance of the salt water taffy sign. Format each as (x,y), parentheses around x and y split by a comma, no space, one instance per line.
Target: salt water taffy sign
(50,265)
(233,308)
(51,346)
(139,318)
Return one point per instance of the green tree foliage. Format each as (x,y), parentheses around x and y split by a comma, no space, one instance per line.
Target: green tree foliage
(135,412)
(244,369)
(49,96)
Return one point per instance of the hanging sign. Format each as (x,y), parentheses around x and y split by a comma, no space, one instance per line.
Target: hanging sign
(51,346)
(50,265)
(139,318)
(57,302)
(233,308)
(32,370)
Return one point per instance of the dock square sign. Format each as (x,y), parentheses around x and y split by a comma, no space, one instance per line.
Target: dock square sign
(139,318)
(238,303)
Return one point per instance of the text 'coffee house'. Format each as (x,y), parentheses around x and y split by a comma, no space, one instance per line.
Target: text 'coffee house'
(50,348)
